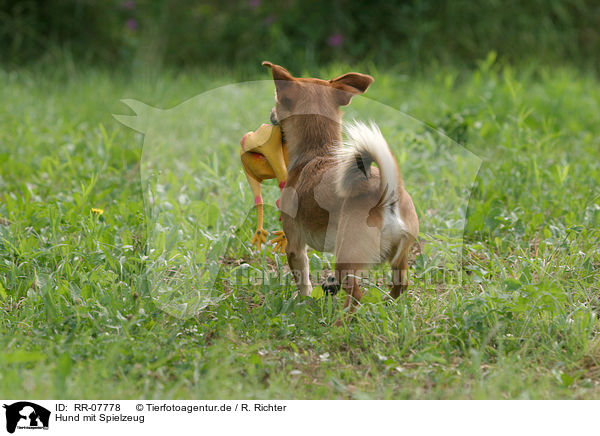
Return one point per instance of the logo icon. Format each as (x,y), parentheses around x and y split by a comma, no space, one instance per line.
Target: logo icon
(26,415)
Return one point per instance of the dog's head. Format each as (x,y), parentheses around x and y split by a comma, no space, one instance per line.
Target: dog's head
(298,97)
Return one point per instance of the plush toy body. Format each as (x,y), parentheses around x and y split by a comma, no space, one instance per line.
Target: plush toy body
(264,157)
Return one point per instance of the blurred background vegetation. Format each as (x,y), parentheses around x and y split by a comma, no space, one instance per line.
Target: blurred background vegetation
(298,33)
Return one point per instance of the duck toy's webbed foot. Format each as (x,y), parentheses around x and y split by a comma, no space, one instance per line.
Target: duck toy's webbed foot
(280,242)
(259,238)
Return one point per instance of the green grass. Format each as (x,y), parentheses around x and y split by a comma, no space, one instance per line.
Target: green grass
(90,306)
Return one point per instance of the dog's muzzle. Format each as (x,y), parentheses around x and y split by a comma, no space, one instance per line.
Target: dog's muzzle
(273,117)
(275,122)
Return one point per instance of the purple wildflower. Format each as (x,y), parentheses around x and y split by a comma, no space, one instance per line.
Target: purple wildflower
(335,40)
(131,24)
(254,3)
(129,5)
(269,19)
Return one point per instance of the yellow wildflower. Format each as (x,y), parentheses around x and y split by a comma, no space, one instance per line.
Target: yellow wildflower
(97,211)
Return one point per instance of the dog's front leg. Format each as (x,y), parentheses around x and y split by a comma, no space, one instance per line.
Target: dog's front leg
(295,249)
(298,262)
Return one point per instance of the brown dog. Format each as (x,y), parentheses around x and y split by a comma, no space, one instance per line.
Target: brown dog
(334,200)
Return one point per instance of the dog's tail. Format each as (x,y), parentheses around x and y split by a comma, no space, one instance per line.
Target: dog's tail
(365,145)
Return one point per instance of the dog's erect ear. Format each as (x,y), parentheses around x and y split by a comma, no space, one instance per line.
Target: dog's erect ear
(359,82)
(279,73)
(281,76)
(350,84)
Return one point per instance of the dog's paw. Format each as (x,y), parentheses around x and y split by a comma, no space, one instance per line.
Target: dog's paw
(331,286)
(259,238)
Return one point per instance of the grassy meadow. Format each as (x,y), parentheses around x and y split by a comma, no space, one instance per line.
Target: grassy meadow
(157,296)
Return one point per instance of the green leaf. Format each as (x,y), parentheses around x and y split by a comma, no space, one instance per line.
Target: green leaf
(22,356)
(512,284)
(317,292)
(566,379)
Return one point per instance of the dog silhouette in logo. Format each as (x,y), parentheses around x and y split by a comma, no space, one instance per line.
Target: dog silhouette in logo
(31,413)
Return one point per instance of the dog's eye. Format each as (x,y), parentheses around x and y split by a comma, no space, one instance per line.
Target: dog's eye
(285,102)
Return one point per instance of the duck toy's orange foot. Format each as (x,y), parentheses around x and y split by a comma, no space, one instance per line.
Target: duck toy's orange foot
(259,238)
(280,242)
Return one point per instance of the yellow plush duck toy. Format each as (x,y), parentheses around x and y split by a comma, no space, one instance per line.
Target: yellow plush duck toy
(264,156)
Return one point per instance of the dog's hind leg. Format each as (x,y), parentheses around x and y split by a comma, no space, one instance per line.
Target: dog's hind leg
(357,248)
(347,275)
(400,273)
